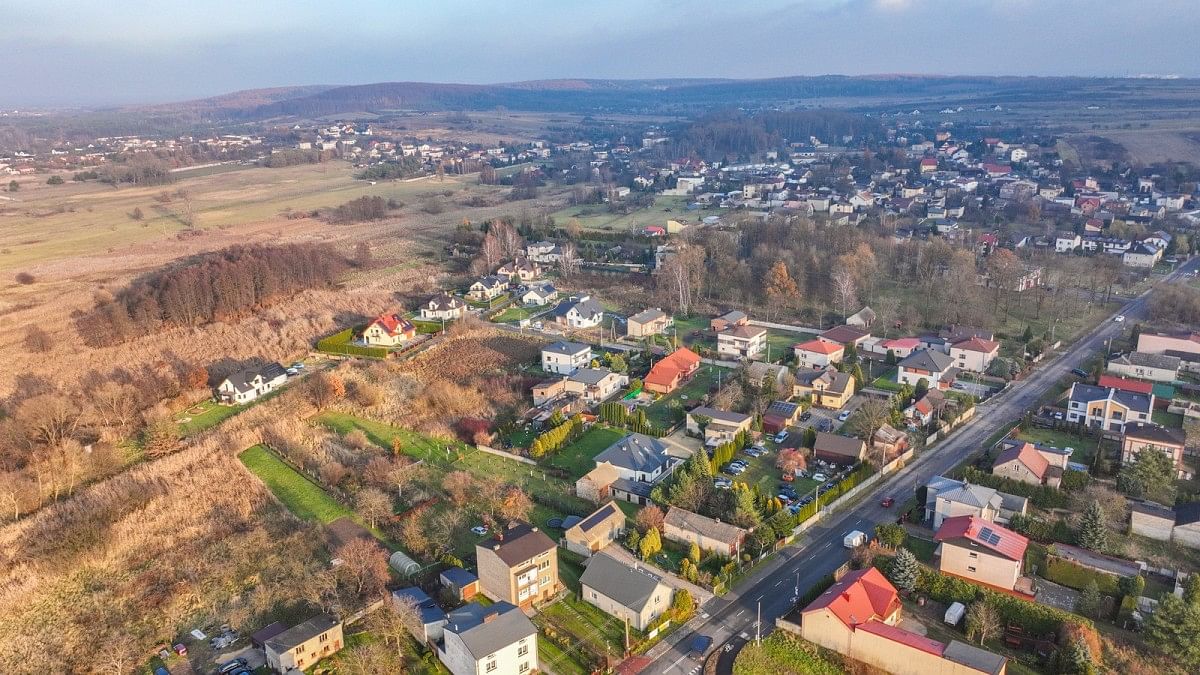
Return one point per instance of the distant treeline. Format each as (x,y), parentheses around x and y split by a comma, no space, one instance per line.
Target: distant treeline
(278,160)
(734,133)
(213,286)
(137,171)
(404,167)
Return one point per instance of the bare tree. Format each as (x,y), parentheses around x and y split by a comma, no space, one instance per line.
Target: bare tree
(491,252)
(364,566)
(373,505)
(868,419)
(845,291)
(325,388)
(681,276)
(568,261)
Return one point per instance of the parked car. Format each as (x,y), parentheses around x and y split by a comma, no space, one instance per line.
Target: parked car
(231,666)
(292,372)
(1120,318)
(1079,372)
(887,502)
(788,477)
(298,365)
(722,483)
(780,437)
(819,477)
(479,530)
(806,416)
(843,416)
(854,539)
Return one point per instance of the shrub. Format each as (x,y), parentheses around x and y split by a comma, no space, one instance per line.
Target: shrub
(1064,572)
(1042,496)
(339,343)
(1075,480)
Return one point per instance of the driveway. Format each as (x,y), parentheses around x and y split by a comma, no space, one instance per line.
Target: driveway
(1054,595)
(680,445)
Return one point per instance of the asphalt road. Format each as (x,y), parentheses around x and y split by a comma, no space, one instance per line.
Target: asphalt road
(771,592)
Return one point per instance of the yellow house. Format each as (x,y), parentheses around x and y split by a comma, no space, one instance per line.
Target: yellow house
(825,388)
(301,646)
(674,226)
(975,549)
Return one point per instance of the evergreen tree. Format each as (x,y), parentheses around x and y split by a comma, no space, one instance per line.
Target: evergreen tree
(633,539)
(903,570)
(1191,590)
(744,512)
(1089,601)
(1028,334)
(651,543)
(1093,534)
(694,554)
(1078,658)
(1174,628)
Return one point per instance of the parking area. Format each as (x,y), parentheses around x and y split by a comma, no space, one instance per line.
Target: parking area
(980,391)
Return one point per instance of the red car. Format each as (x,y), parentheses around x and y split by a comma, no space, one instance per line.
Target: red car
(887,502)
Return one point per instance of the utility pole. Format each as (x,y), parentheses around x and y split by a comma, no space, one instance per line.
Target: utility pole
(627,636)
(758,625)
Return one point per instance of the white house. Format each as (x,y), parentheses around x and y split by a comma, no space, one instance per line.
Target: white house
(537,296)
(1065,243)
(974,354)
(579,311)
(936,368)
(247,385)
(564,357)
(494,640)
(742,342)
(1107,408)
(443,307)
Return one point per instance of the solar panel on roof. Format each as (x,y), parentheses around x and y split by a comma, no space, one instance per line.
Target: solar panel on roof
(989,536)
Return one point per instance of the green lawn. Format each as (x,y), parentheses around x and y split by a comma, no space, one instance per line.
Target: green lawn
(560,662)
(205,415)
(599,631)
(514,314)
(781,343)
(887,381)
(922,548)
(300,495)
(598,217)
(665,411)
(1167,419)
(1085,448)
(763,473)
(780,653)
(413,444)
(576,458)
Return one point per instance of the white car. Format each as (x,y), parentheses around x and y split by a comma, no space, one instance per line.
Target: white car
(844,415)
(479,530)
(1120,318)
(819,477)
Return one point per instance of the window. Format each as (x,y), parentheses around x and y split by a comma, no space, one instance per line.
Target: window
(324,637)
(524,666)
(970,569)
(491,665)
(973,554)
(544,565)
(593,595)
(523,650)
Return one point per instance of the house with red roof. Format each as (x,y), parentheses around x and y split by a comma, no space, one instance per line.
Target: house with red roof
(1126,384)
(979,550)
(901,347)
(672,371)
(974,354)
(845,335)
(1033,464)
(858,617)
(388,330)
(818,354)
(929,165)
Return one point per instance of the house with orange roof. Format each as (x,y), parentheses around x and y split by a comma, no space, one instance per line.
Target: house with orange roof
(974,354)
(388,330)
(1029,463)
(858,617)
(979,550)
(901,347)
(818,354)
(672,371)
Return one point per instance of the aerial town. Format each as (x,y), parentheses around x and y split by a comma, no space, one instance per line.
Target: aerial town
(808,374)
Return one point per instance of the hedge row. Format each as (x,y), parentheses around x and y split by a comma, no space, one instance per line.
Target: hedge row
(1042,496)
(1030,616)
(1073,575)
(339,343)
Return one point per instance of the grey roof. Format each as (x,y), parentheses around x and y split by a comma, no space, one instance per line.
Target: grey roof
(590,375)
(972,495)
(443,302)
(542,290)
(458,576)
(733,316)
(492,281)
(599,516)
(632,588)
(587,307)
(635,452)
(648,315)
(1187,513)
(299,634)
(761,370)
(1086,393)
(564,347)
(425,605)
(633,487)
(242,380)
(1148,360)
(927,359)
(703,525)
(518,543)
(974,657)
(839,445)
(483,635)
(1155,433)
(720,415)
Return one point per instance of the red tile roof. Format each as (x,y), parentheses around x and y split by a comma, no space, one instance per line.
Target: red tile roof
(859,597)
(1027,455)
(1125,384)
(904,637)
(680,361)
(991,536)
(394,325)
(902,343)
(819,347)
(978,344)
(844,334)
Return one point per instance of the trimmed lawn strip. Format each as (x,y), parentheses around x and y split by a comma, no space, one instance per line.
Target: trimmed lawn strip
(213,414)
(577,458)
(300,495)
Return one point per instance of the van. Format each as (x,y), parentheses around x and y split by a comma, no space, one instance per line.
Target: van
(854,539)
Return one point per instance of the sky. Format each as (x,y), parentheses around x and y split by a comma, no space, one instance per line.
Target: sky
(101,52)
